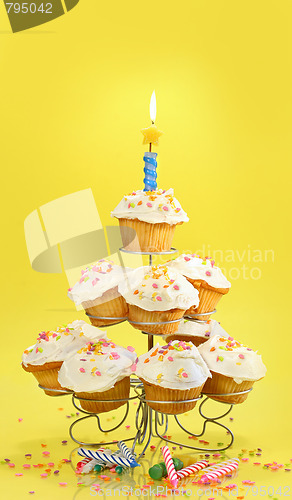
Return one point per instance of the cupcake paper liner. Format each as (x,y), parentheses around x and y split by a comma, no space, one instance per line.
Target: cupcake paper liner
(220,384)
(46,375)
(121,390)
(155,392)
(137,314)
(111,304)
(139,236)
(209,298)
(196,340)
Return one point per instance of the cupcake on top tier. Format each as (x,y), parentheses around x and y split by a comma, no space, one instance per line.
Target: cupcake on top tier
(206,278)
(45,358)
(99,371)
(157,294)
(97,291)
(148,219)
(197,333)
(234,367)
(173,372)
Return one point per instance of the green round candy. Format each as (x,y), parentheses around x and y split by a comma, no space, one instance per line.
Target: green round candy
(156,472)
(162,464)
(98,468)
(119,469)
(178,464)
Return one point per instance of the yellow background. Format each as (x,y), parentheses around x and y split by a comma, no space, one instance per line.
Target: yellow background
(74,95)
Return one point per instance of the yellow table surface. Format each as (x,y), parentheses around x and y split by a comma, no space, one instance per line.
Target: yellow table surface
(74,95)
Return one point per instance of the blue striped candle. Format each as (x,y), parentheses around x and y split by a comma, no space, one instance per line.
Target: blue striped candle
(125,450)
(150,171)
(107,457)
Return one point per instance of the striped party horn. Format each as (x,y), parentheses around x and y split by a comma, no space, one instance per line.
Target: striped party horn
(226,469)
(191,469)
(126,452)
(172,474)
(107,458)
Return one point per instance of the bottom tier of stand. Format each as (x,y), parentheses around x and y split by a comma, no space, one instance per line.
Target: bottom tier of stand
(149,423)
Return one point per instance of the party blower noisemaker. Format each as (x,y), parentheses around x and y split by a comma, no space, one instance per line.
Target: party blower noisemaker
(25,15)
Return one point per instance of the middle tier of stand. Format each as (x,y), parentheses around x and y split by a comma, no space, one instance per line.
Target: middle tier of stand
(150,423)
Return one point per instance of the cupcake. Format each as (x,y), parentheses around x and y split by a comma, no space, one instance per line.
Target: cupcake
(173,372)
(98,372)
(196,332)
(148,219)
(206,278)
(45,358)
(234,367)
(97,291)
(157,294)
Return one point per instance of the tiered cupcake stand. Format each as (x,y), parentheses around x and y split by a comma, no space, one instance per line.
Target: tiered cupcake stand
(148,422)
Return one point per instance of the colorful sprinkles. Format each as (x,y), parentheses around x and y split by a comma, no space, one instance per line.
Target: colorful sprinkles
(160,279)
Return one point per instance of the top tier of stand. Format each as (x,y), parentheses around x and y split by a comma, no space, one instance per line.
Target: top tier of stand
(166,252)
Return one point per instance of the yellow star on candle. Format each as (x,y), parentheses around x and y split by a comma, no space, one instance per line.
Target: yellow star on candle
(151,135)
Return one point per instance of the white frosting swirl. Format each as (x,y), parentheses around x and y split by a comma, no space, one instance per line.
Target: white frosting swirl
(231,358)
(177,365)
(97,367)
(206,330)
(96,280)
(151,206)
(158,288)
(192,266)
(59,344)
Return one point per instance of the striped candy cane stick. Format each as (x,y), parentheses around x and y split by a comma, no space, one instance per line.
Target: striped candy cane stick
(191,469)
(125,450)
(107,458)
(219,472)
(172,474)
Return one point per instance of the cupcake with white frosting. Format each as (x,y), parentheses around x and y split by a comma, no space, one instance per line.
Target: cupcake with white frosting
(148,219)
(173,372)
(206,278)
(97,291)
(45,358)
(234,368)
(157,295)
(98,372)
(196,332)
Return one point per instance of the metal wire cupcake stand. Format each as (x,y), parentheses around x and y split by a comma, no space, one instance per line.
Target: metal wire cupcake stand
(150,423)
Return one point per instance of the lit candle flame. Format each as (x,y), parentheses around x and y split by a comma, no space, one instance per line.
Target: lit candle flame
(153,107)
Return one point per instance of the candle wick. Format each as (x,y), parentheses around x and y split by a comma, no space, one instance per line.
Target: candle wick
(150,146)
(153,122)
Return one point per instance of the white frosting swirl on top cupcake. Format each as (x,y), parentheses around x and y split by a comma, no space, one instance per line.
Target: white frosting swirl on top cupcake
(96,280)
(158,288)
(229,357)
(151,206)
(59,344)
(97,366)
(206,329)
(192,266)
(177,365)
